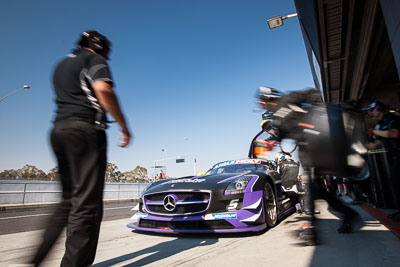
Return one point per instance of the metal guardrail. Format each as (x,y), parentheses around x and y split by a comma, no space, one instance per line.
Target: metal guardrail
(24,192)
(382,185)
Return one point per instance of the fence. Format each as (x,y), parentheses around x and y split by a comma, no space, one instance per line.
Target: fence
(382,185)
(25,192)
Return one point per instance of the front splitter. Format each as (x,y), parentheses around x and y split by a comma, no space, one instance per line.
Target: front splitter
(236,230)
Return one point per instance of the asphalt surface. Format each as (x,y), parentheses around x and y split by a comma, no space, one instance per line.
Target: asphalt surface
(16,220)
(372,245)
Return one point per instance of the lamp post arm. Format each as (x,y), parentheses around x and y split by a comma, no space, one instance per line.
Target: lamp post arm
(164,163)
(169,158)
(16,91)
(290,16)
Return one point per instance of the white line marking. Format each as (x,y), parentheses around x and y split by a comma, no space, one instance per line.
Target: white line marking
(25,216)
(47,214)
(118,208)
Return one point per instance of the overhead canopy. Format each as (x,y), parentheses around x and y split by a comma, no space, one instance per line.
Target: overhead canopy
(350,50)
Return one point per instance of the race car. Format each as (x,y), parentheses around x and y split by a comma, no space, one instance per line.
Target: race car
(242,195)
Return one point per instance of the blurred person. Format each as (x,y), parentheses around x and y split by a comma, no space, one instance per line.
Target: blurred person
(299,116)
(387,135)
(84,94)
(323,189)
(340,186)
(327,183)
(334,183)
(346,189)
(330,184)
(287,168)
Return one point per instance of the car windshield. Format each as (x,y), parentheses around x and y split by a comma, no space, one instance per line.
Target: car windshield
(236,168)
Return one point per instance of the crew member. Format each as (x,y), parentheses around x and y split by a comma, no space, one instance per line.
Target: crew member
(288,169)
(387,136)
(84,94)
(289,113)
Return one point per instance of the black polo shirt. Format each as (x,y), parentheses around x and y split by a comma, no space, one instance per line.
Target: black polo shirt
(288,170)
(72,80)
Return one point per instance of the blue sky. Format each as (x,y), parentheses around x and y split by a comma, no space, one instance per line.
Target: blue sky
(186,73)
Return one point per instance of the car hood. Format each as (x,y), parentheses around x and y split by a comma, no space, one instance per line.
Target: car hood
(206,182)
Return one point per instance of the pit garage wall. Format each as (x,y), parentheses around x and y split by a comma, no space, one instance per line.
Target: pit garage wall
(306,15)
(391,11)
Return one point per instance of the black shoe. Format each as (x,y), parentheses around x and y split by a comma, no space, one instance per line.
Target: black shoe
(308,212)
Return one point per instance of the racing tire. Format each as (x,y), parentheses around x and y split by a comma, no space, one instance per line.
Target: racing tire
(270,205)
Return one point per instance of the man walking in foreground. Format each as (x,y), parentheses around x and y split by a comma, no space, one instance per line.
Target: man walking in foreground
(84,93)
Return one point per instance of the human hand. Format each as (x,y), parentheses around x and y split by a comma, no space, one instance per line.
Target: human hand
(125,136)
(384,134)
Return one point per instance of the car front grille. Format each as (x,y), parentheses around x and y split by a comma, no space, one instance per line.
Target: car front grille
(180,203)
(180,195)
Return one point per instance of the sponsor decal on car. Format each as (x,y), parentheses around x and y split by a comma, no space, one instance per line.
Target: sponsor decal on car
(239,161)
(185,181)
(142,215)
(226,163)
(221,216)
(248,161)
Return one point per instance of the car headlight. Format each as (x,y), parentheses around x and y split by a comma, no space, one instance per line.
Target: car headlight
(238,185)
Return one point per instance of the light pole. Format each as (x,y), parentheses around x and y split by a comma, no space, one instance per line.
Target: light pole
(163,156)
(160,167)
(26,87)
(194,166)
(278,20)
(194,159)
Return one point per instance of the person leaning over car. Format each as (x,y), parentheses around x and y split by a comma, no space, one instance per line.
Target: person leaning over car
(84,93)
(287,112)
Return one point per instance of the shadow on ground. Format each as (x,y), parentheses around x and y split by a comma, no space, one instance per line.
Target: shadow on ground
(161,250)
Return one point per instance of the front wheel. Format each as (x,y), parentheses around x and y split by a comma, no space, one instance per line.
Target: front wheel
(270,205)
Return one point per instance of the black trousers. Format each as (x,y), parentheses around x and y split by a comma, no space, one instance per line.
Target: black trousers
(315,189)
(81,151)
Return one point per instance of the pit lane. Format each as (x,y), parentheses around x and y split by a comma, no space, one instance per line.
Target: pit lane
(33,218)
(373,245)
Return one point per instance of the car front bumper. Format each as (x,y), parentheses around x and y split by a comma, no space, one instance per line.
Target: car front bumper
(249,218)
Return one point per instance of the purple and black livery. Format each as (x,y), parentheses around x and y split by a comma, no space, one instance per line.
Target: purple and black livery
(233,196)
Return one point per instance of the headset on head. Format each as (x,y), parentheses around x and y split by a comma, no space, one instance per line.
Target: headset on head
(95,41)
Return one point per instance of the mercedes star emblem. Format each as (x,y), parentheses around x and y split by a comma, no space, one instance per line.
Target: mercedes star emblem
(169,203)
